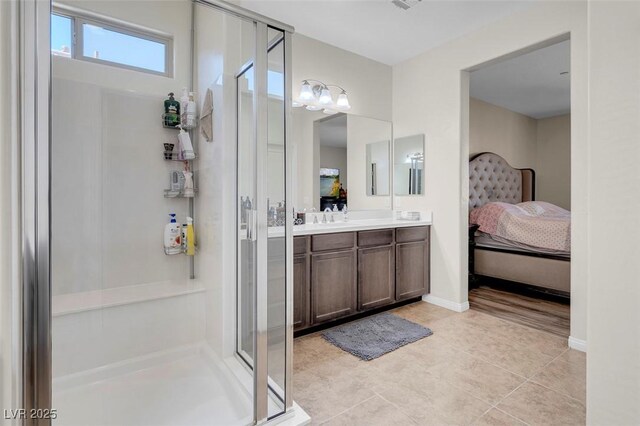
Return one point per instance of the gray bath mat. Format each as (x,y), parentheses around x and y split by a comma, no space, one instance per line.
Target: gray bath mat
(375,336)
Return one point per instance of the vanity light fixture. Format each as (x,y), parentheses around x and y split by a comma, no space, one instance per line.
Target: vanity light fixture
(318,97)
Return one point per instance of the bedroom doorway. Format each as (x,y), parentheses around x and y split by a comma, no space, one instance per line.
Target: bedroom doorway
(519,183)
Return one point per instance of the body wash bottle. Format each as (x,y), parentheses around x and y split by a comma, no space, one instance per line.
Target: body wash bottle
(172,236)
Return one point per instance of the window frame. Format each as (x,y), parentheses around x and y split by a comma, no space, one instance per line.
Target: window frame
(78,20)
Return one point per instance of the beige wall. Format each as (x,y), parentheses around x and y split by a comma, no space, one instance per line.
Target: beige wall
(613,363)
(430,96)
(543,145)
(553,160)
(313,59)
(507,133)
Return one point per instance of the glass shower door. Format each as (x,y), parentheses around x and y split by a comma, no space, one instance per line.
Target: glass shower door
(246,216)
(263,223)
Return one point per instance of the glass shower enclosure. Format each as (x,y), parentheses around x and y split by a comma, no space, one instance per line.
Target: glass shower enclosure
(117,331)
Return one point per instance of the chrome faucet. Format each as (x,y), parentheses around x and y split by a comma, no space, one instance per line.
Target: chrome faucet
(344,213)
(324,215)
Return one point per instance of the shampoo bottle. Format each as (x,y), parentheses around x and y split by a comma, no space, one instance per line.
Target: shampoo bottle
(184,101)
(190,112)
(191,238)
(172,236)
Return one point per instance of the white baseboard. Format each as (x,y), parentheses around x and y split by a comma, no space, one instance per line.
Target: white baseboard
(577,344)
(447,304)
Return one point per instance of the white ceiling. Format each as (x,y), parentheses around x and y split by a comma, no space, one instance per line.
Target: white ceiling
(381,31)
(530,84)
(333,131)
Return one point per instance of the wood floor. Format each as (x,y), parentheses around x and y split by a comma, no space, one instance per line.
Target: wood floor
(545,315)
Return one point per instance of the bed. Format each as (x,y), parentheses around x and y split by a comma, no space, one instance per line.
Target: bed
(516,238)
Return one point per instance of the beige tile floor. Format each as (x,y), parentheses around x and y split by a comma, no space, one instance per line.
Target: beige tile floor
(475,369)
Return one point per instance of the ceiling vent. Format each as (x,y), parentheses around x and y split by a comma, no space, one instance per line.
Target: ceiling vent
(405,4)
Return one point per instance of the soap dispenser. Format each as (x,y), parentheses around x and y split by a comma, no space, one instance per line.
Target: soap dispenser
(171,111)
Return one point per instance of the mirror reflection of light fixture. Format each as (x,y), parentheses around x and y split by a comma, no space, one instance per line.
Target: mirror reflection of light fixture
(414,158)
(318,97)
(415,173)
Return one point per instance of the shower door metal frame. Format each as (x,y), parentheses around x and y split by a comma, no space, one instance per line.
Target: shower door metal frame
(34,127)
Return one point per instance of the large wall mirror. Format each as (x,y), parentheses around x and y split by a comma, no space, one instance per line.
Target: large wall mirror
(341,159)
(408,175)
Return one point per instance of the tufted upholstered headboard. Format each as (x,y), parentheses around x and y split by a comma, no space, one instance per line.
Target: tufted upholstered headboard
(491,178)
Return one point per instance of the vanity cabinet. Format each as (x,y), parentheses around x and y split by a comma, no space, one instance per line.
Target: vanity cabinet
(412,262)
(342,274)
(333,285)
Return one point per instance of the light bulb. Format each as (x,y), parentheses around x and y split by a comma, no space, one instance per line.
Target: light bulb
(343,102)
(325,97)
(329,111)
(306,92)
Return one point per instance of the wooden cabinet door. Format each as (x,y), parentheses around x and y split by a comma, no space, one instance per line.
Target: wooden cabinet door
(376,277)
(412,269)
(300,291)
(333,285)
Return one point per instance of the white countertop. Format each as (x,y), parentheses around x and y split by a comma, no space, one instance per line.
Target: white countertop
(358,221)
(356,225)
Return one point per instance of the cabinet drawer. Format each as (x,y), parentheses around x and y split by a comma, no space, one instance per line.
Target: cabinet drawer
(343,240)
(380,237)
(300,245)
(416,233)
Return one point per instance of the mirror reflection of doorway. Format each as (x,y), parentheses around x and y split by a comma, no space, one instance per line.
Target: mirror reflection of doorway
(332,135)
